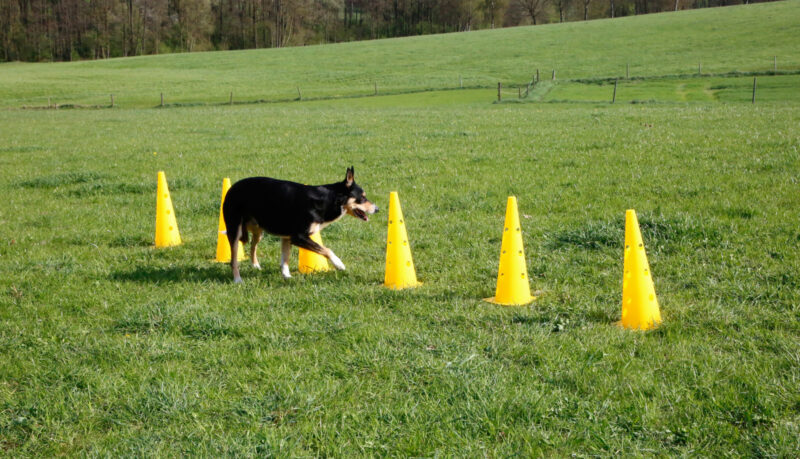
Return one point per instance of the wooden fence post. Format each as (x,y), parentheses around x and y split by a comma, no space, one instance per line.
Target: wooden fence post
(299,94)
(537,75)
(499,88)
(627,71)
(754,89)
(614,97)
(554,75)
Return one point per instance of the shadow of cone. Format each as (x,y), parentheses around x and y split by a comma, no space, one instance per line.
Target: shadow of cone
(223,246)
(400,272)
(311,262)
(167,234)
(512,277)
(639,303)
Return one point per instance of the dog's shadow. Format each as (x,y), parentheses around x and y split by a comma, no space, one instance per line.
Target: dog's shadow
(177,273)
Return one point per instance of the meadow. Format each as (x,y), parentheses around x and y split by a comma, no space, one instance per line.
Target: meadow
(745,38)
(111,347)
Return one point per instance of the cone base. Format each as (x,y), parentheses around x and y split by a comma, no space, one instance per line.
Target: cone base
(649,326)
(165,245)
(216,260)
(493,300)
(404,286)
(305,270)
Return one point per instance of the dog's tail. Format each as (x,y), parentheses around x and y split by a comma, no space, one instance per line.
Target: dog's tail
(234,221)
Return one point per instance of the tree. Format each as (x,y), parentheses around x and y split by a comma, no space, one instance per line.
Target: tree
(562,6)
(534,8)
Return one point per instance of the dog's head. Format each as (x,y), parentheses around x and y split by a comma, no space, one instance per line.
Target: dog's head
(356,203)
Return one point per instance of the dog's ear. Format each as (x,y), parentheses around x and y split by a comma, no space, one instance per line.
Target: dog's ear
(348,179)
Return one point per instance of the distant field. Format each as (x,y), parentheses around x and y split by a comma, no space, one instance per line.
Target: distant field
(769,88)
(742,38)
(113,348)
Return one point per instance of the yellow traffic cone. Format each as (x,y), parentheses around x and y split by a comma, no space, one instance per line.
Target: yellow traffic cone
(512,277)
(166,225)
(639,302)
(311,262)
(223,246)
(400,271)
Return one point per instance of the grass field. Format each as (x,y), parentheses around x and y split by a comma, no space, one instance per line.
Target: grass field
(111,347)
(743,38)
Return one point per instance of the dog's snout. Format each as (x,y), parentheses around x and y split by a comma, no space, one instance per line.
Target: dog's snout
(377,209)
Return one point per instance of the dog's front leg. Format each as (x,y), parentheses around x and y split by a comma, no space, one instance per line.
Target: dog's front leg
(304,241)
(286,251)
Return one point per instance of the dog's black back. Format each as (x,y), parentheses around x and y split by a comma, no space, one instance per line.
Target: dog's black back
(281,207)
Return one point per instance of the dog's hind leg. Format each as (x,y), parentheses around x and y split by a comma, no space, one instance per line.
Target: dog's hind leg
(257,233)
(286,251)
(304,241)
(234,234)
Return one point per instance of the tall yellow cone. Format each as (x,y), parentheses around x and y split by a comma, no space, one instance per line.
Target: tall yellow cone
(639,303)
(310,262)
(166,225)
(223,246)
(512,277)
(400,271)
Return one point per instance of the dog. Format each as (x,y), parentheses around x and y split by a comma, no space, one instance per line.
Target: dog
(290,211)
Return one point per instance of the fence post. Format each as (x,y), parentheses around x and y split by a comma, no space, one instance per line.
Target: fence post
(299,94)
(700,68)
(554,75)
(499,88)
(627,71)
(614,97)
(754,89)
(376,88)
(519,92)
(775,63)
(461,82)
(537,75)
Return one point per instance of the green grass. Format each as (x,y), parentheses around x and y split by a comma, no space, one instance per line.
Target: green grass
(742,38)
(113,348)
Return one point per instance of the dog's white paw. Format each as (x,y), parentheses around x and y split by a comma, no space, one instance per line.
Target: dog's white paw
(257,265)
(237,280)
(337,263)
(285,272)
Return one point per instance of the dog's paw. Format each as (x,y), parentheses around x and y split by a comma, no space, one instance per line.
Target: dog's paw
(237,280)
(285,272)
(257,265)
(337,263)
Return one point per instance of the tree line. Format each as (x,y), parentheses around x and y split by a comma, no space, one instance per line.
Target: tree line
(65,30)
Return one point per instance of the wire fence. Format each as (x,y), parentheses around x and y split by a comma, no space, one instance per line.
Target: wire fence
(540,82)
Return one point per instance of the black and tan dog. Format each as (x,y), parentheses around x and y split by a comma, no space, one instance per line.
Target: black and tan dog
(290,211)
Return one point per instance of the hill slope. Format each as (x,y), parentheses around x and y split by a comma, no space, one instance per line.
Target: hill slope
(722,39)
